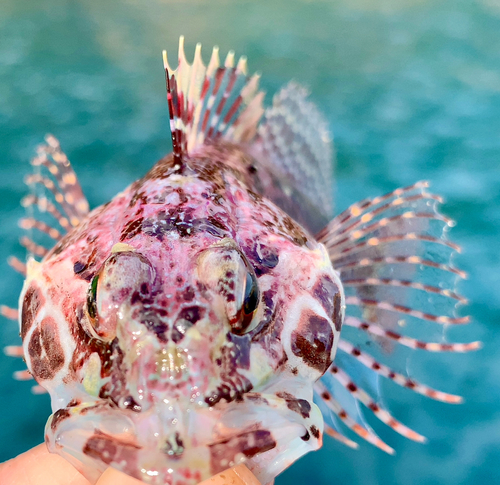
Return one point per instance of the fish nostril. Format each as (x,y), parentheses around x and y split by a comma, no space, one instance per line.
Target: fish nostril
(187,317)
(154,322)
(130,403)
(192,314)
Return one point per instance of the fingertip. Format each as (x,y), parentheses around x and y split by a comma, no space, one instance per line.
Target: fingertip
(115,477)
(38,466)
(246,476)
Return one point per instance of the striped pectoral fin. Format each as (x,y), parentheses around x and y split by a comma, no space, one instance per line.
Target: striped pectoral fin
(56,202)
(363,397)
(17,265)
(394,263)
(8,312)
(394,259)
(348,420)
(208,102)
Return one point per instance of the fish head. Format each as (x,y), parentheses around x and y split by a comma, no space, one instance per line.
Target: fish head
(182,357)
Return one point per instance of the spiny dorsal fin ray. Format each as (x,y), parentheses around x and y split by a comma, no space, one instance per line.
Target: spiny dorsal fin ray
(56,202)
(395,264)
(210,102)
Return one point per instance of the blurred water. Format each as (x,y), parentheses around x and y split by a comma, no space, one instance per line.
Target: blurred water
(411,89)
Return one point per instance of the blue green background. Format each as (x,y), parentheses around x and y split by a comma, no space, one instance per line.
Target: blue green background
(411,89)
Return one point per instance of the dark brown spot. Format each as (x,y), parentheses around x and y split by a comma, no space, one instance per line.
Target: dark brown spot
(78,267)
(109,449)
(327,293)
(392,334)
(58,416)
(256,398)
(32,301)
(299,406)
(313,341)
(315,431)
(409,383)
(189,294)
(131,229)
(250,444)
(45,351)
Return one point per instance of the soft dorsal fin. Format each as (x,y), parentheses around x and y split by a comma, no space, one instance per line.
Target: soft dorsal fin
(294,144)
(211,102)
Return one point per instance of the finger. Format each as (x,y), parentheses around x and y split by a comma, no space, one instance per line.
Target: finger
(39,467)
(239,475)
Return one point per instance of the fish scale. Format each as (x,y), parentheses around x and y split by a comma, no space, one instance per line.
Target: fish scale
(185,326)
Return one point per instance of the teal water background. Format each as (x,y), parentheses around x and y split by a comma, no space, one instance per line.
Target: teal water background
(411,89)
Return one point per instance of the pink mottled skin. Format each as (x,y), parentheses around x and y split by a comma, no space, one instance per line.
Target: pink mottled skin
(136,324)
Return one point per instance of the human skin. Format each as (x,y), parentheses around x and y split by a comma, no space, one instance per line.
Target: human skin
(39,467)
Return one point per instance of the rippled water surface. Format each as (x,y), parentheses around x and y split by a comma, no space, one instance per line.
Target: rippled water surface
(411,89)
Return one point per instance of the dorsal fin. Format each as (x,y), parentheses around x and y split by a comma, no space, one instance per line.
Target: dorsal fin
(211,102)
(294,144)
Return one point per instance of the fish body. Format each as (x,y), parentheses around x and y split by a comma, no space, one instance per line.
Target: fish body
(191,323)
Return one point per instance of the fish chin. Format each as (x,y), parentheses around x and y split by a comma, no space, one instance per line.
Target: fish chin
(177,444)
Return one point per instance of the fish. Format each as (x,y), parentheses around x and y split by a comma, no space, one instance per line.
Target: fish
(216,311)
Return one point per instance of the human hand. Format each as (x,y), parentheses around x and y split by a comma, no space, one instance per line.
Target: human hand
(39,467)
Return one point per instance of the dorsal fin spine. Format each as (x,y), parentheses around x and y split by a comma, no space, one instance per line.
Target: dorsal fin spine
(169,80)
(206,101)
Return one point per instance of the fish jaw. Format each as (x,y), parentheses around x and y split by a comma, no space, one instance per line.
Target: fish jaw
(179,442)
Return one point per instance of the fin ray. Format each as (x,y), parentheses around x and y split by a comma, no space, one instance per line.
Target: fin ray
(294,146)
(208,102)
(389,252)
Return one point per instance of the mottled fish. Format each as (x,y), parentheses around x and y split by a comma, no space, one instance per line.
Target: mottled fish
(191,323)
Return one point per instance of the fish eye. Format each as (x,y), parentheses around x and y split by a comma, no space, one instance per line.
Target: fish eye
(250,304)
(97,327)
(91,298)
(226,270)
(121,276)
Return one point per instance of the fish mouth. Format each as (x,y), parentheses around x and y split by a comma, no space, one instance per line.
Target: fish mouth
(265,432)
